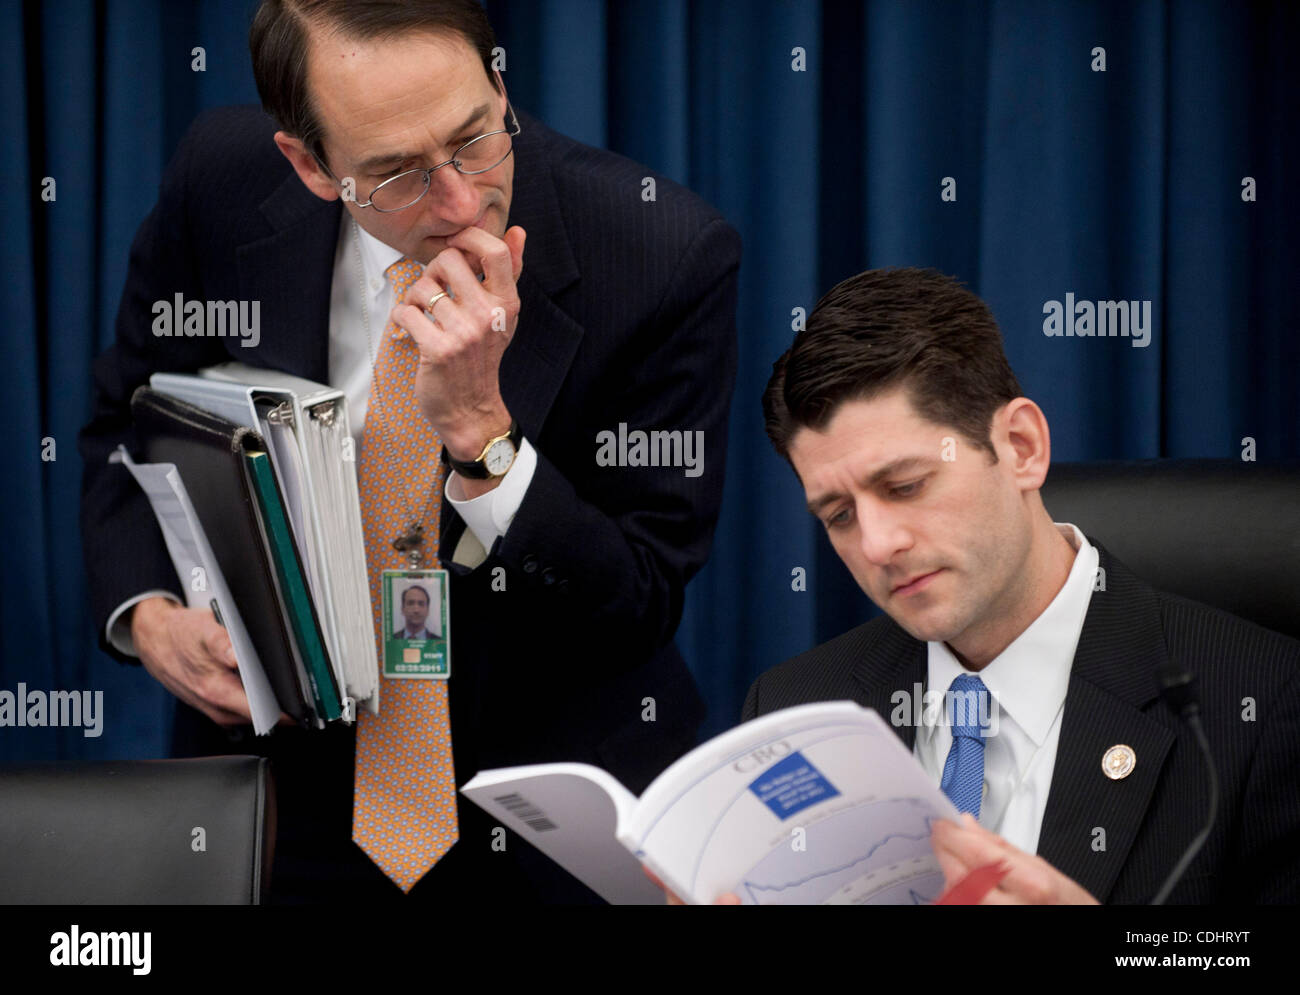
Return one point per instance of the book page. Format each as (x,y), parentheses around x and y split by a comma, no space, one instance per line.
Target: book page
(188,545)
(816,804)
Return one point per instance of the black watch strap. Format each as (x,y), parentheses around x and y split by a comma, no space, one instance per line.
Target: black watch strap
(475,469)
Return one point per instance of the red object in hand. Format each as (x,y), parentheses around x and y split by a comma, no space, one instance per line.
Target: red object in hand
(975,885)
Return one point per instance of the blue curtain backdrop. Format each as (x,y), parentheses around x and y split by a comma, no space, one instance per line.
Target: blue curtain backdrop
(1122,184)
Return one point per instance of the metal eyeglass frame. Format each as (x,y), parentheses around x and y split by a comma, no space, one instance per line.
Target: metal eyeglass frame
(453,161)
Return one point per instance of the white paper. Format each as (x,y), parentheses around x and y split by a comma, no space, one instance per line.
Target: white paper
(188,545)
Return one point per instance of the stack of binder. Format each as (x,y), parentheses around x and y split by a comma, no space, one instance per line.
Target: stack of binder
(266,461)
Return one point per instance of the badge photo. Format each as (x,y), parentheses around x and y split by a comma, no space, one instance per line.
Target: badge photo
(417,624)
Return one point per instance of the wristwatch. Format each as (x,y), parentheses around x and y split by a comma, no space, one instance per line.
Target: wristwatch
(496,458)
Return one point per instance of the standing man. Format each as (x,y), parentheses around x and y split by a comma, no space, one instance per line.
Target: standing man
(491,296)
(920,457)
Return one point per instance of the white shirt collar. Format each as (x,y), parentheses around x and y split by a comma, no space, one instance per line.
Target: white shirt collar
(1029,678)
(376,257)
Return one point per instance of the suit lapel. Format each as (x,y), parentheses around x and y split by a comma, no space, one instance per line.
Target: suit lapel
(546,338)
(538,357)
(1111,684)
(894,662)
(290,273)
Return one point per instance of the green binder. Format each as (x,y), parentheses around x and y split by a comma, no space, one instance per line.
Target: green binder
(293,587)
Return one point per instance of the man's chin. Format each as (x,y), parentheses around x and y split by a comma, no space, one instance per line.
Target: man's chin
(926,628)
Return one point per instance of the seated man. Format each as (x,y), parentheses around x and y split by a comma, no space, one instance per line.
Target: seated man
(898,411)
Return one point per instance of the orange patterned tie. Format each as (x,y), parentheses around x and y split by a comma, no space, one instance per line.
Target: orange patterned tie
(404,803)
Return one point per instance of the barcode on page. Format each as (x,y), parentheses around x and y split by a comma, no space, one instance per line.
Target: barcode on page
(522,808)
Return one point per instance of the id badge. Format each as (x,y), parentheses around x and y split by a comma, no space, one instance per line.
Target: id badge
(417,621)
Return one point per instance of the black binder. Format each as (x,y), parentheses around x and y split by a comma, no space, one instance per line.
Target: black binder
(210,453)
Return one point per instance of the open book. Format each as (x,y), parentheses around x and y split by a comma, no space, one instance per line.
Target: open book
(815,804)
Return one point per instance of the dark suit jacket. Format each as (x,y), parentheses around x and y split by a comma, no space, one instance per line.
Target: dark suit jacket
(1149,817)
(401,634)
(628,315)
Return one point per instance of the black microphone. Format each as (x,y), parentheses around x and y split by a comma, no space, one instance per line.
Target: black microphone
(1178,689)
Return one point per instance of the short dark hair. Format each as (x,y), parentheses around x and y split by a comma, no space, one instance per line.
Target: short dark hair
(278,43)
(415,587)
(885,328)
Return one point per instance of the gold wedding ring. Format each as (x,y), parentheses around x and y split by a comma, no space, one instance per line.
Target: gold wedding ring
(428,308)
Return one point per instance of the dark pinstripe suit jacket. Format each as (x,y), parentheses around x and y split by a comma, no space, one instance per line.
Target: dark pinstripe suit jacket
(628,316)
(1149,817)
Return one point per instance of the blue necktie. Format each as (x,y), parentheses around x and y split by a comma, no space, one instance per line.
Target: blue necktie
(963,772)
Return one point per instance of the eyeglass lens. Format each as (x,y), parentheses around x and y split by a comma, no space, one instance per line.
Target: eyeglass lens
(477,156)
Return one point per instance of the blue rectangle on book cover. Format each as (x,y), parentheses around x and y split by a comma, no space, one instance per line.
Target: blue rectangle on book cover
(790,785)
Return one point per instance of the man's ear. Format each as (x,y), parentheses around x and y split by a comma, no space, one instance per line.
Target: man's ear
(1021,434)
(305,165)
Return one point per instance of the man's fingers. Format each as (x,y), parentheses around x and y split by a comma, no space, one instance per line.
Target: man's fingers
(223,690)
(953,867)
(970,822)
(216,643)
(484,253)
(421,328)
(950,861)
(515,238)
(971,845)
(221,716)
(451,270)
(999,897)
(499,260)
(1030,879)
(962,848)
(190,654)
(668,895)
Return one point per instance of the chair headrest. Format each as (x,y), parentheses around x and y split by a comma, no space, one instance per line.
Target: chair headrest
(1222,532)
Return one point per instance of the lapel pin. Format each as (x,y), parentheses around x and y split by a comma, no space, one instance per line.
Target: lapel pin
(1118,762)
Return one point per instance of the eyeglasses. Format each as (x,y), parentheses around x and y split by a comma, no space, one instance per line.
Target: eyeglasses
(478,155)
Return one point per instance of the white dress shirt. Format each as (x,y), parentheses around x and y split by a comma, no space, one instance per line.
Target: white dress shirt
(351,364)
(1027,682)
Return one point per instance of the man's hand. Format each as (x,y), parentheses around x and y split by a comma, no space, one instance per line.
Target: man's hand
(460,354)
(189,654)
(1031,880)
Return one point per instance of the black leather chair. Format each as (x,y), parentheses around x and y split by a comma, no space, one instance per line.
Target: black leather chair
(1222,532)
(125,833)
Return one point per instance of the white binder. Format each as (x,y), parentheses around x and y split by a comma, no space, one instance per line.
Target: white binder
(305,425)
